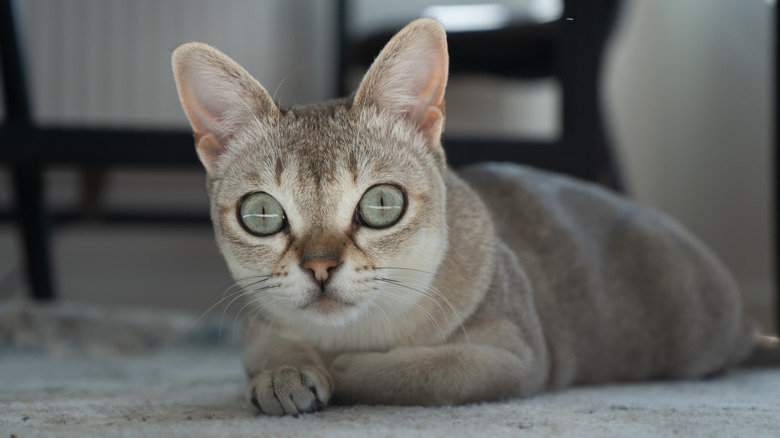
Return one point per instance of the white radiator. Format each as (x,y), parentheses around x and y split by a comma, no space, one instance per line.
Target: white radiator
(107,62)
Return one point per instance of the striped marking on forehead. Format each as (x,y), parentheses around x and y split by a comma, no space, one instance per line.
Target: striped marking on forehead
(278,170)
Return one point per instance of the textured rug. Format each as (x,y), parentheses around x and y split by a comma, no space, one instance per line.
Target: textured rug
(70,370)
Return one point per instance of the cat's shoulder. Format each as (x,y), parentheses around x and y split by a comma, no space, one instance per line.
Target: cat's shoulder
(521,194)
(515,190)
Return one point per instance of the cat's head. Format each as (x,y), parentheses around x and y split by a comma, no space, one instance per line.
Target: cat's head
(326,212)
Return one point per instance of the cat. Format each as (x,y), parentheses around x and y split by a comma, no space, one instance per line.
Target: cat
(379,276)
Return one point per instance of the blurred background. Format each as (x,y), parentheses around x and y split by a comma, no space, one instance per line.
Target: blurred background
(686,95)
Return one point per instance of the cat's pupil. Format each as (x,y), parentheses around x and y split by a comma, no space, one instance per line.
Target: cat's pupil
(381,206)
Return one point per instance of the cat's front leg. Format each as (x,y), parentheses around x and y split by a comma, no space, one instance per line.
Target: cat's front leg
(441,375)
(286,378)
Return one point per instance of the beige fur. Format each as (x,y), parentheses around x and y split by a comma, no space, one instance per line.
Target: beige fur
(500,281)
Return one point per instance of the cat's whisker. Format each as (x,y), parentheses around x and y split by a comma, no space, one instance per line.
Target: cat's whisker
(269,324)
(236,284)
(398,268)
(253,293)
(419,307)
(430,288)
(258,311)
(256,299)
(227,290)
(223,291)
(248,303)
(236,297)
(240,288)
(387,317)
(426,293)
(278,87)
(253,314)
(241,291)
(418,291)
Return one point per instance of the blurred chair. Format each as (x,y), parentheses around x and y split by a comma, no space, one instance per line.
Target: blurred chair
(569,49)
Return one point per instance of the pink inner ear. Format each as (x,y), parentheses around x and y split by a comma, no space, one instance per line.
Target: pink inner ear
(410,74)
(206,101)
(206,119)
(430,95)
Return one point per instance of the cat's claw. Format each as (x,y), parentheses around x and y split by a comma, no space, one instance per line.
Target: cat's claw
(290,391)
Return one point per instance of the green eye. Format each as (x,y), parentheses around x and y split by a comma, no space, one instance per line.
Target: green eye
(261,214)
(381,206)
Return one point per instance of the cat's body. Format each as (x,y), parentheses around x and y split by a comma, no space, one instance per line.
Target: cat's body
(374,274)
(622,292)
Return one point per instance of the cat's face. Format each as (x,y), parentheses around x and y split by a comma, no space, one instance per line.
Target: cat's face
(330,212)
(333,185)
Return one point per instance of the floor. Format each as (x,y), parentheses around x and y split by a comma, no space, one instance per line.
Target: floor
(75,370)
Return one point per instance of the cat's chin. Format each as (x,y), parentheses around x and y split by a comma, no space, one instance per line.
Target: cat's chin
(329,305)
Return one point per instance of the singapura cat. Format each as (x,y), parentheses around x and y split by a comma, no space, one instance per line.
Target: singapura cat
(381,276)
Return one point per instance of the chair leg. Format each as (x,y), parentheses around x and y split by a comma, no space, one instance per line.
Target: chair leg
(93,184)
(34,225)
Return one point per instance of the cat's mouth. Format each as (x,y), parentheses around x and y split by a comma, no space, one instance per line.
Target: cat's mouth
(326,303)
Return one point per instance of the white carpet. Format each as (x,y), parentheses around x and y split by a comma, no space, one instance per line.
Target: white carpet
(71,371)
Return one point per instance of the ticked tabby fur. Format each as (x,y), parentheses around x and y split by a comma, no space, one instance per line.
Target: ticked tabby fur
(438,287)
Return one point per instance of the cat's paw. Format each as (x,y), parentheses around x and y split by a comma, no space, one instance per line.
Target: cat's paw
(290,391)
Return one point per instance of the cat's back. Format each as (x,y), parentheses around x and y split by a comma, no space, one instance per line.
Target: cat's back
(532,208)
(651,298)
(518,194)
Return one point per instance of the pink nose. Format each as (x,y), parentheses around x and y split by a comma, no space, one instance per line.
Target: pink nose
(320,268)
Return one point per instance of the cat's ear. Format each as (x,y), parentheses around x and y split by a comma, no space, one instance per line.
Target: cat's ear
(409,76)
(218,96)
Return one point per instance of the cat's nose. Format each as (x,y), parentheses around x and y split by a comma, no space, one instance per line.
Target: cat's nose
(321,268)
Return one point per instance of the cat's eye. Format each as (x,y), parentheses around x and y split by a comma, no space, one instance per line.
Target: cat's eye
(261,214)
(381,206)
